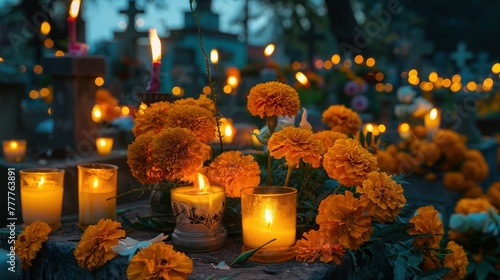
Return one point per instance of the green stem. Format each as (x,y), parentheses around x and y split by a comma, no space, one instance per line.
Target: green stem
(288,173)
(269,176)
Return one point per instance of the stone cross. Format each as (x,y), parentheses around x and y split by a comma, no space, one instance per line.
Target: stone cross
(418,48)
(129,37)
(483,65)
(461,55)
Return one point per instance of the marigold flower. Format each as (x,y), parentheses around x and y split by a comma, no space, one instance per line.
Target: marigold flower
(455,153)
(419,131)
(474,170)
(454,181)
(140,160)
(328,137)
(203,101)
(313,246)
(424,151)
(386,162)
(177,152)
(382,196)
(445,138)
(473,205)
(234,171)
(295,143)
(456,260)
(159,261)
(473,190)
(342,119)
(348,162)
(427,222)
(198,120)
(493,193)
(273,99)
(151,119)
(343,219)
(94,248)
(30,242)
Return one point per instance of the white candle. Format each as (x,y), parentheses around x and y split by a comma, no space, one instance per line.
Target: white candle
(14,150)
(432,122)
(104,145)
(404,131)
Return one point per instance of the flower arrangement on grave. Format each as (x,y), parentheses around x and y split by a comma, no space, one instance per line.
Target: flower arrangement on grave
(475,225)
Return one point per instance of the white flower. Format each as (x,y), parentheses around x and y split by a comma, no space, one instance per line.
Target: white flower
(303,122)
(264,134)
(128,246)
(406,94)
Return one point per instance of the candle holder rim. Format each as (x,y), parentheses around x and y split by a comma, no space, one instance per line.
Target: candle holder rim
(44,170)
(218,189)
(287,190)
(99,138)
(98,166)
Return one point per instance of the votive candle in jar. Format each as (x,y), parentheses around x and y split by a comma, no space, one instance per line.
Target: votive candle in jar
(14,150)
(42,195)
(104,145)
(97,185)
(269,213)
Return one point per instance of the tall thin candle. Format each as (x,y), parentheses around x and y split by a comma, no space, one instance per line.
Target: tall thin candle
(154,81)
(73,13)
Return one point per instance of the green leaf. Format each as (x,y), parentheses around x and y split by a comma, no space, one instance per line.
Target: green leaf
(483,269)
(399,268)
(362,139)
(368,138)
(392,229)
(434,274)
(230,276)
(246,255)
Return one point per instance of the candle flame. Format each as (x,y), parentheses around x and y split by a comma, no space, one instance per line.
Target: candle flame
(404,127)
(269,217)
(203,183)
(214,56)
(268,51)
(433,114)
(40,183)
(95,185)
(228,130)
(102,142)
(155,42)
(13,145)
(96,114)
(301,78)
(232,81)
(369,127)
(74,8)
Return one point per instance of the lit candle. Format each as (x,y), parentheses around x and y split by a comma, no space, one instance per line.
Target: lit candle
(227,130)
(198,211)
(404,131)
(154,81)
(14,150)
(214,58)
(73,13)
(96,183)
(269,213)
(96,113)
(432,122)
(268,51)
(104,145)
(42,195)
(373,128)
(302,78)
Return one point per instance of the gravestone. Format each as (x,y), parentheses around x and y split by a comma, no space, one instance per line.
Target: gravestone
(74,97)
(418,48)
(461,55)
(482,66)
(11,93)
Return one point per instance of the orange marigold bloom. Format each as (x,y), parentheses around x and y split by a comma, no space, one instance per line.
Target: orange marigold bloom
(198,120)
(473,190)
(455,153)
(203,101)
(342,119)
(296,143)
(493,193)
(430,261)
(475,170)
(94,249)
(382,196)
(419,131)
(348,162)
(456,260)
(152,118)
(30,242)
(343,219)
(140,160)
(424,151)
(177,152)
(454,181)
(427,222)
(328,137)
(386,162)
(313,246)
(273,99)
(159,261)
(234,171)
(445,138)
(473,205)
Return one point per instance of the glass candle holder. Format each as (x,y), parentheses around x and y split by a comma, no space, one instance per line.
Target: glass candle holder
(198,218)
(42,195)
(104,145)
(14,150)
(269,213)
(97,184)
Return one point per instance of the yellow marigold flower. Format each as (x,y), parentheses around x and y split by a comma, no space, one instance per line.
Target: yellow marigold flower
(475,170)
(392,149)
(427,222)
(159,261)
(382,196)
(234,171)
(203,101)
(140,160)
(456,260)
(30,242)
(313,246)
(342,119)
(419,131)
(94,249)
(455,153)
(273,99)
(151,119)
(386,162)
(473,205)
(343,219)
(424,151)
(296,143)
(328,137)
(493,193)
(445,138)
(348,162)
(177,152)
(198,120)
(454,181)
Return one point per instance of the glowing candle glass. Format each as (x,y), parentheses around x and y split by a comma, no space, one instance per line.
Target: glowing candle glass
(198,210)
(96,184)
(14,150)
(42,195)
(269,213)
(404,131)
(432,122)
(104,145)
